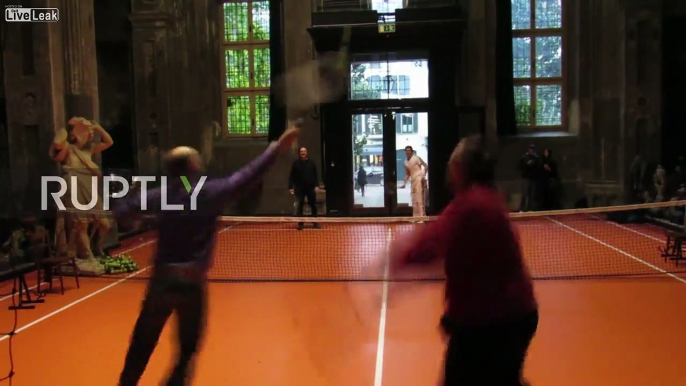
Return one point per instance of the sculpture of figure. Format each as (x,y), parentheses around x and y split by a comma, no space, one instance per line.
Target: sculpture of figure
(73,150)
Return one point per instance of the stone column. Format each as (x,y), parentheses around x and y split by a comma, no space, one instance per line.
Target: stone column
(81,67)
(32,69)
(643,81)
(151,85)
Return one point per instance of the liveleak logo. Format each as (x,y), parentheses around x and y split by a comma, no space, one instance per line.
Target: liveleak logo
(75,181)
(15,13)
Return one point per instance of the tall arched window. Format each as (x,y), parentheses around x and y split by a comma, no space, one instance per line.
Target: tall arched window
(246,67)
(537,29)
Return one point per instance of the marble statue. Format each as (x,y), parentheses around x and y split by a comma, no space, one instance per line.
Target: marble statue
(73,149)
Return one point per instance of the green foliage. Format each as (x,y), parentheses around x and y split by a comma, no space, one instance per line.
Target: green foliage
(359,144)
(360,87)
(118,264)
(239,73)
(546,63)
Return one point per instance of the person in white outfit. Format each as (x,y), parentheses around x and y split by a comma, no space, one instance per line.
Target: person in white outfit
(415,171)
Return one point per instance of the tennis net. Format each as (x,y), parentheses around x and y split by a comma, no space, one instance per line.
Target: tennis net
(584,243)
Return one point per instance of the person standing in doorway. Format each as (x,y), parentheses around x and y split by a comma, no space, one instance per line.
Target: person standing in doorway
(415,171)
(303,183)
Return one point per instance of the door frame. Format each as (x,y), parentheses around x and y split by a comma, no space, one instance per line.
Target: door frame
(387,109)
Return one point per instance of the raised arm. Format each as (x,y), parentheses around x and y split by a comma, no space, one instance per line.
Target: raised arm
(130,207)
(59,148)
(105,139)
(225,187)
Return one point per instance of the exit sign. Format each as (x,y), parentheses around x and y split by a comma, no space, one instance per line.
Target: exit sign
(386,28)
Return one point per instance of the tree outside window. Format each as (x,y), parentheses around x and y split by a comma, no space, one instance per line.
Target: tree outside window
(538,66)
(246,67)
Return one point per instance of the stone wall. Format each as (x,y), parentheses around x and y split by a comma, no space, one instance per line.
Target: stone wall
(613,91)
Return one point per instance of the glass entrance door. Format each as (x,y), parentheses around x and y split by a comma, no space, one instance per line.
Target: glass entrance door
(411,161)
(382,141)
(369,177)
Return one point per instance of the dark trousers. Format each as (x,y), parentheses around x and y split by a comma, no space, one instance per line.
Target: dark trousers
(311,200)
(489,355)
(528,199)
(166,294)
(548,194)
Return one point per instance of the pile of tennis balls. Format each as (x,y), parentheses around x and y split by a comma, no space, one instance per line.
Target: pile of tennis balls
(118,264)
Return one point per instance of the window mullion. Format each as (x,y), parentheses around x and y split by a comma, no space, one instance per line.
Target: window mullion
(250,26)
(253,126)
(534,97)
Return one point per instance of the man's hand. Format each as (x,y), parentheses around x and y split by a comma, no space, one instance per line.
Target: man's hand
(291,191)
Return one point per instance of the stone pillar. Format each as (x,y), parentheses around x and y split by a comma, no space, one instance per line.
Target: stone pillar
(33,90)
(643,81)
(81,66)
(151,85)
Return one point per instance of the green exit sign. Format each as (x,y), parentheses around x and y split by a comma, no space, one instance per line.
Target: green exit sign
(386,28)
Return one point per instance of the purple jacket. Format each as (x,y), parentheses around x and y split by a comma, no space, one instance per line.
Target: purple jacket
(188,236)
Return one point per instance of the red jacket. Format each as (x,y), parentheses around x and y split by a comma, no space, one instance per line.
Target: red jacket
(487,279)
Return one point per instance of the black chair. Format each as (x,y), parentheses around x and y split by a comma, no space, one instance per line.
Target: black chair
(52,263)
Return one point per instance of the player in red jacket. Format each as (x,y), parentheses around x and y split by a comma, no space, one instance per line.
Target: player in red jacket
(491,311)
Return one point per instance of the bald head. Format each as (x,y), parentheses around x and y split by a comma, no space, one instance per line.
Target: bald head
(183,161)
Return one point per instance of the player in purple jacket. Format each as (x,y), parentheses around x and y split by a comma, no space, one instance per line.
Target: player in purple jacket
(184,251)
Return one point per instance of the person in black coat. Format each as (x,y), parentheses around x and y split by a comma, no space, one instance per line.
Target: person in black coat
(550,181)
(303,182)
(529,167)
(362,179)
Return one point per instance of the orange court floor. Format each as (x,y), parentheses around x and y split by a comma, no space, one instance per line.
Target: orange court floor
(606,332)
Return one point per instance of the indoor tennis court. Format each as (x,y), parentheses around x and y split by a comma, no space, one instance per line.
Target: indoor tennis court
(299,312)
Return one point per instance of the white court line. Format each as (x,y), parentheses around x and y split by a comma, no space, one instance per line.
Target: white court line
(629,229)
(77,301)
(378,373)
(126,251)
(74,303)
(627,254)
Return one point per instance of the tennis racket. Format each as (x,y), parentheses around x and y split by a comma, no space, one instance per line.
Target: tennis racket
(321,80)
